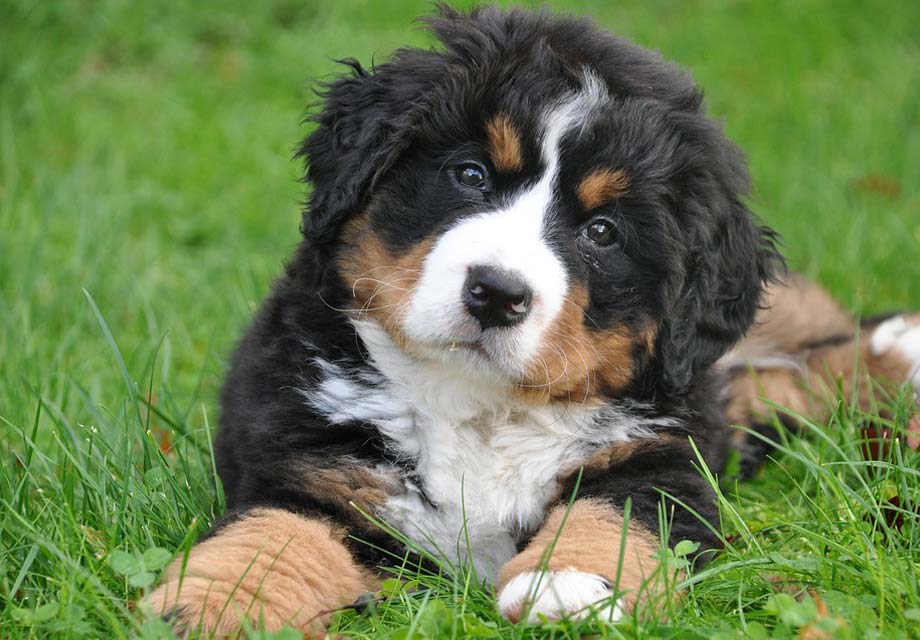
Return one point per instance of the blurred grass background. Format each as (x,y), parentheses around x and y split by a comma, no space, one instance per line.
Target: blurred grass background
(145,156)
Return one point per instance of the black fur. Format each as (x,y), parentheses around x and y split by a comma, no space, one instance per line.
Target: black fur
(694,260)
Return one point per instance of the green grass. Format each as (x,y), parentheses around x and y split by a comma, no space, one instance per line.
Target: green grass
(147,198)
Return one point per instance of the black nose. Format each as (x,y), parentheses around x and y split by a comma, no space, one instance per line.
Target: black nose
(496,298)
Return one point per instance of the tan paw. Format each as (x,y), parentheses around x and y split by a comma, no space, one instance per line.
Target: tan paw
(267,570)
(220,610)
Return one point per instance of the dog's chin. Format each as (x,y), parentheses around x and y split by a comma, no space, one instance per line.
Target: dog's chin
(491,354)
(478,357)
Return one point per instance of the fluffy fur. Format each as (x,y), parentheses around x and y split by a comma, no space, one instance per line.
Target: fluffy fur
(524,254)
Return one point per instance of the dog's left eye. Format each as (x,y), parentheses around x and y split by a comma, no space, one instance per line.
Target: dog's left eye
(471,175)
(601,232)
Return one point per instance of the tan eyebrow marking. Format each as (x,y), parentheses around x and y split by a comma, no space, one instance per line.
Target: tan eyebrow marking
(504,144)
(601,186)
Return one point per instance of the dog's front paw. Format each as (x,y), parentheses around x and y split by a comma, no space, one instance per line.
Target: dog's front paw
(203,605)
(267,569)
(900,336)
(194,606)
(567,593)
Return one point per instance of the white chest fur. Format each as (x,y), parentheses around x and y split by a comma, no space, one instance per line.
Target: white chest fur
(485,463)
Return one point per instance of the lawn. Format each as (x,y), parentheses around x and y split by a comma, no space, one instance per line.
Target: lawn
(148,197)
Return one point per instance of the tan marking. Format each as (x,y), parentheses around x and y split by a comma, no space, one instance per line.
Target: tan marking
(504,144)
(381,283)
(611,456)
(650,335)
(575,363)
(601,186)
(272,568)
(606,459)
(590,542)
(352,489)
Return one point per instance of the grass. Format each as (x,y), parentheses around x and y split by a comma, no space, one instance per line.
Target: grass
(147,198)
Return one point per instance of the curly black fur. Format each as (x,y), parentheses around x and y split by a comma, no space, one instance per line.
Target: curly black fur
(697,266)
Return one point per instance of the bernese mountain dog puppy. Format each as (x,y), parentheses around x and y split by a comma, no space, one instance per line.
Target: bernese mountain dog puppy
(527,273)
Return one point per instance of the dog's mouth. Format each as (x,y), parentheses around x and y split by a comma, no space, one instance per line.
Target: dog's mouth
(463,346)
(493,354)
(458,345)
(491,351)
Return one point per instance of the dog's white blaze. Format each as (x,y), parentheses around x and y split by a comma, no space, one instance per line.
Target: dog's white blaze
(511,239)
(475,448)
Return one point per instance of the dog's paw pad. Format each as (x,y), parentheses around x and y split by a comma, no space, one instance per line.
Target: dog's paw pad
(901,335)
(558,594)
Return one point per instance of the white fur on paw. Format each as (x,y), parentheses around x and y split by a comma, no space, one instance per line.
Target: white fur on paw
(902,336)
(557,594)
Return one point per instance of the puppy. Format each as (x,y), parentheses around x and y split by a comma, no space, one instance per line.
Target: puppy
(526,268)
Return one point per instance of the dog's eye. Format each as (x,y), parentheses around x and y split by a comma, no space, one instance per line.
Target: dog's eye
(471,175)
(601,232)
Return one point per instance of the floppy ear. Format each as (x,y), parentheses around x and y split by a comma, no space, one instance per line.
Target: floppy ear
(730,258)
(370,117)
(361,130)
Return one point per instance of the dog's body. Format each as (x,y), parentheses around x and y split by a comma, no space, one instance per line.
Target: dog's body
(527,266)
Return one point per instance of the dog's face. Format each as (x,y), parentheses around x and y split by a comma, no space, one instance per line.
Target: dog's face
(541,201)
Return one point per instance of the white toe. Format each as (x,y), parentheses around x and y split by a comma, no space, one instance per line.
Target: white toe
(886,334)
(902,337)
(557,594)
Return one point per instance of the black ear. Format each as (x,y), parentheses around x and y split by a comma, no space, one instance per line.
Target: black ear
(729,258)
(361,130)
(370,117)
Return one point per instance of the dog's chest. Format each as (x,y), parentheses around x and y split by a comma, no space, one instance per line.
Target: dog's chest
(505,463)
(478,468)
(480,483)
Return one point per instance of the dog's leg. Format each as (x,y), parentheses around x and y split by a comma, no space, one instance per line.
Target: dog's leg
(270,568)
(795,314)
(887,353)
(802,344)
(571,567)
(581,570)
(801,351)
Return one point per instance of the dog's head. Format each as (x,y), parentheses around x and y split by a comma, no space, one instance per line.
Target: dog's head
(539,198)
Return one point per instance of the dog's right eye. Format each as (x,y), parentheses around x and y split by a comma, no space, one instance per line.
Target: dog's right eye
(471,175)
(601,232)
